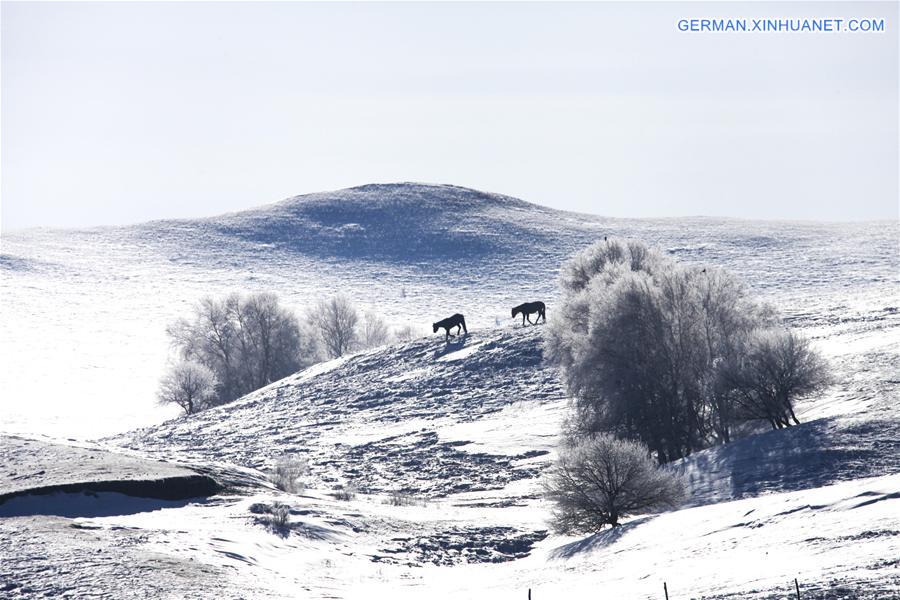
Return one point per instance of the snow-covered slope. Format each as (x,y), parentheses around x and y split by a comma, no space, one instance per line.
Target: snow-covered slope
(424,417)
(483,411)
(95,303)
(445,443)
(464,430)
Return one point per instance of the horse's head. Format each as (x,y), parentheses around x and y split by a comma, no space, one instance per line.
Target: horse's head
(515,311)
(434,327)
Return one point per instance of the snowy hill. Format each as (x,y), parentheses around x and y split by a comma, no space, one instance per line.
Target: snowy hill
(434,419)
(396,222)
(465,430)
(425,418)
(412,252)
(444,443)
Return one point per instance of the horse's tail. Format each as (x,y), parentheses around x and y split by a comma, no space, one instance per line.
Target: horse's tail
(543,311)
(462,320)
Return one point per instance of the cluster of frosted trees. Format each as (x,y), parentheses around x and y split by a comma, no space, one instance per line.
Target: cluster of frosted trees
(672,355)
(232,346)
(661,359)
(342,329)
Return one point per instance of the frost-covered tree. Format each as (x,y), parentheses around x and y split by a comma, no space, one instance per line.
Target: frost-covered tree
(643,344)
(777,368)
(210,337)
(190,385)
(405,333)
(373,331)
(274,340)
(336,320)
(602,479)
(247,341)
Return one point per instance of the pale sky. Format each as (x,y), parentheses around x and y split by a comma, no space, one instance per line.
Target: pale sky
(120,113)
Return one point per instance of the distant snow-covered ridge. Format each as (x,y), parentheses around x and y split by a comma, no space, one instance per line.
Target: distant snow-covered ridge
(413,225)
(404,222)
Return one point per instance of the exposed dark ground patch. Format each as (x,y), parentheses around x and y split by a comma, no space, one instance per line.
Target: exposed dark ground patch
(166,488)
(462,545)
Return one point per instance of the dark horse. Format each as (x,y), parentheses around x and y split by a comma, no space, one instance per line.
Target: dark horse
(529,308)
(449,323)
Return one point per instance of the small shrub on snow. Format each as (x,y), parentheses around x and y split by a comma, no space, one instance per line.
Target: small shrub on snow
(346,493)
(398,498)
(286,475)
(276,516)
(280,516)
(601,479)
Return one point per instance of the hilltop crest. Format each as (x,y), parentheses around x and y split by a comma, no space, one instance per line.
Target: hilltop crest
(402,221)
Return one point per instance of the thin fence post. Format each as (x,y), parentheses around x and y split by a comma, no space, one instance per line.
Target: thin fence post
(796,587)
(529,593)
(666,590)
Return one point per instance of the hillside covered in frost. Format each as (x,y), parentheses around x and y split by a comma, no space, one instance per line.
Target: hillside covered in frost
(425,458)
(411,252)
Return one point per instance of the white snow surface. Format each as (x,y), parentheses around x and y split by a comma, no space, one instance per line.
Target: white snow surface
(446,443)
